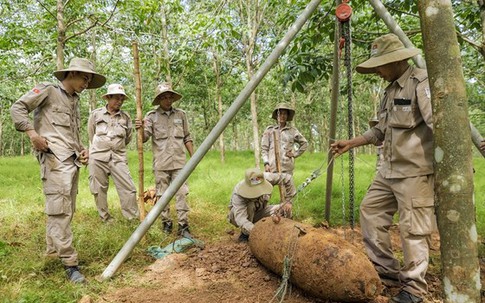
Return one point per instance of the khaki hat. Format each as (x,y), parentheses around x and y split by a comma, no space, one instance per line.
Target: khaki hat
(291,111)
(82,65)
(254,185)
(385,49)
(163,88)
(373,121)
(115,89)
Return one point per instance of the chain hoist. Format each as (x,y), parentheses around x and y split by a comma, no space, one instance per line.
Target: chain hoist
(343,13)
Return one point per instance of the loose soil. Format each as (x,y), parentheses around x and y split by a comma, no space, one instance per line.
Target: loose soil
(228,272)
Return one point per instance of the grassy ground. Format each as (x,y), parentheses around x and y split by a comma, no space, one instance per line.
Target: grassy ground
(26,276)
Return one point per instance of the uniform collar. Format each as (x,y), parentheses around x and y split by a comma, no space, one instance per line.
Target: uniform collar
(287,126)
(172,110)
(401,81)
(105,111)
(74,94)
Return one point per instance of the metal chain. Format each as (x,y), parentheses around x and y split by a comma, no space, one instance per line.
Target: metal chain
(348,64)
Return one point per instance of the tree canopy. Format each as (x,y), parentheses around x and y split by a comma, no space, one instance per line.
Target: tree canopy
(206,41)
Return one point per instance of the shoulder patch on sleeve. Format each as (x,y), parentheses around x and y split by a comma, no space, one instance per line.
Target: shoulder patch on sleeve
(39,88)
(420,74)
(179,110)
(152,112)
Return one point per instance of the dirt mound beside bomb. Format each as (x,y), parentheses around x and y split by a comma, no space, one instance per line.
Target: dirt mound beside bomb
(322,264)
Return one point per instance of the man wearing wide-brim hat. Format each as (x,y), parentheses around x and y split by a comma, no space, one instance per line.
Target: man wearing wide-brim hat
(169,129)
(292,143)
(110,131)
(55,137)
(250,197)
(404,183)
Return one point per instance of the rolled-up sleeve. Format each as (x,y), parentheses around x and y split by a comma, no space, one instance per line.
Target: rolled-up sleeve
(265,143)
(374,135)
(187,137)
(240,210)
(302,142)
(129,129)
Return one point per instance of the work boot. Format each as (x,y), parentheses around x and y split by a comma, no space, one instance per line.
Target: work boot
(108,220)
(184,231)
(406,297)
(243,237)
(167,227)
(74,275)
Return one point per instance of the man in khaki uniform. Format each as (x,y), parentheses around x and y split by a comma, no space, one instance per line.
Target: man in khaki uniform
(288,137)
(404,182)
(55,138)
(110,130)
(249,201)
(169,129)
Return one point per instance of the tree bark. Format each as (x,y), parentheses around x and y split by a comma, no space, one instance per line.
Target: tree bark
(92,92)
(254,14)
(453,157)
(166,54)
(481,5)
(1,133)
(218,96)
(61,35)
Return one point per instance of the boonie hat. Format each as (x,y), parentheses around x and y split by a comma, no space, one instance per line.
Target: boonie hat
(115,89)
(163,88)
(82,65)
(254,185)
(291,111)
(385,49)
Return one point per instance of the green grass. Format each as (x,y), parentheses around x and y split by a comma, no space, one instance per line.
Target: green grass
(26,276)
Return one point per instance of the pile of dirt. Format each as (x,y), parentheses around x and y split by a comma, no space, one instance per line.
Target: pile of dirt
(228,272)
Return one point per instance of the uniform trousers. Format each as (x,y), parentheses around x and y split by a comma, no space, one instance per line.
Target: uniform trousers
(413,199)
(60,185)
(99,173)
(163,178)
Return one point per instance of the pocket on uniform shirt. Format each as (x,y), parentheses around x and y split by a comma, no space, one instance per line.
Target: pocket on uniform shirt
(121,130)
(61,118)
(101,127)
(401,114)
(178,131)
(422,216)
(160,133)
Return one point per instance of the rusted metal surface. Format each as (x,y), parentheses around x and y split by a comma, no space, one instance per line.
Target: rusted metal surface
(322,264)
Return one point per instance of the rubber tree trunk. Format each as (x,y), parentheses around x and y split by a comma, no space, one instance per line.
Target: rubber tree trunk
(61,35)
(455,209)
(165,50)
